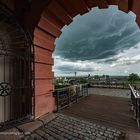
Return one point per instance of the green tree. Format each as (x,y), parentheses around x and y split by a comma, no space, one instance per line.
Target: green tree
(96,77)
(83,80)
(133,77)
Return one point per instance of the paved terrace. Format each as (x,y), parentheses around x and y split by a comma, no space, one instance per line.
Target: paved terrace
(106,110)
(68,128)
(96,117)
(104,114)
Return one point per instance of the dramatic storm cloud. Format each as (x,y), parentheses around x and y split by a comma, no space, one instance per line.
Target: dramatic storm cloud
(100,42)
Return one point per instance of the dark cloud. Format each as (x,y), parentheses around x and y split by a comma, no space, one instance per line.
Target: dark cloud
(69,68)
(100,34)
(107,61)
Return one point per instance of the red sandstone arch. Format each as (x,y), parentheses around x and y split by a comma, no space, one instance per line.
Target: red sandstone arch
(45,20)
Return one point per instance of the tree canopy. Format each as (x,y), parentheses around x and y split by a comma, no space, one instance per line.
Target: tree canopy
(134,77)
(83,80)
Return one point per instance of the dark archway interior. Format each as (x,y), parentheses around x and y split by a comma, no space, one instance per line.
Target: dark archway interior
(15,73)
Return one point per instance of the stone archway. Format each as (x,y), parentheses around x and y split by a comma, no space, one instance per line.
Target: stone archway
(53,15)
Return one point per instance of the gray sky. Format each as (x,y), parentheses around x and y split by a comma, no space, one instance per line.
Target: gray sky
(100,42)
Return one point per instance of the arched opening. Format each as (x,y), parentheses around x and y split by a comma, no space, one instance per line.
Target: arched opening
(15,69)
(57,14)
(98,43)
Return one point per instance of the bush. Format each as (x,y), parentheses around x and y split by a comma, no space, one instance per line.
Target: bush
(57,86)
(83,80)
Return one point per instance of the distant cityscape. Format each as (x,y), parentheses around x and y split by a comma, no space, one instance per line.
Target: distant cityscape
(70,80)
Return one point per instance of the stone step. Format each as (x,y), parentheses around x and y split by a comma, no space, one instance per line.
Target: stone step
(132,136)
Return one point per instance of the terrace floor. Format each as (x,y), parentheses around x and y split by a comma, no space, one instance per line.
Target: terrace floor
(105,110)
(64,127)
(104,114)
(99,116)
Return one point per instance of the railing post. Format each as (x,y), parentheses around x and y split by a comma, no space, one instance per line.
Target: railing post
(87,90)
(136,108)
(69,102)
(138,113)
(86,86)
(132,99)
(57,96)
(82,90)
(76,94)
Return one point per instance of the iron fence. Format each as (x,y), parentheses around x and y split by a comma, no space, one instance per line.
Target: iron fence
(135,100)
(64,97)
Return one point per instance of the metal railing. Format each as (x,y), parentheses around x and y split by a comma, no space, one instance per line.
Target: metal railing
(64,97)
(135,100)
